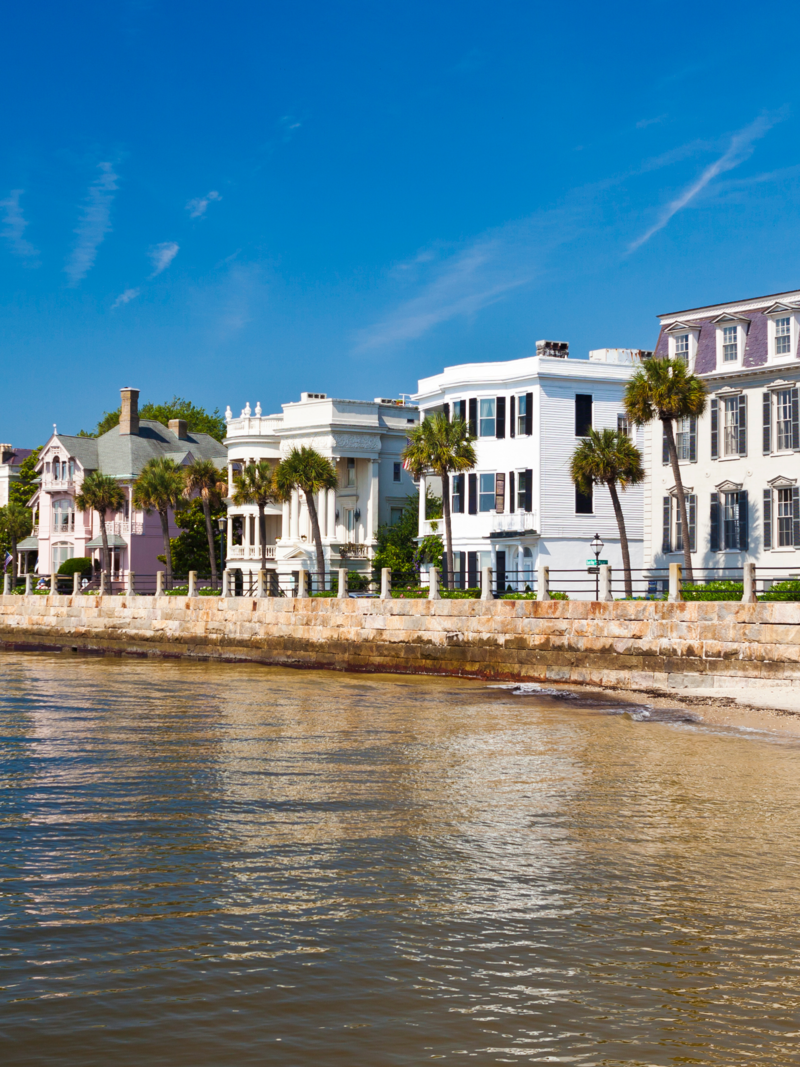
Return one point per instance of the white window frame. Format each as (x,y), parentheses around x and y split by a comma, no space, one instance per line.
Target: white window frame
(741,342)
(487,400)
(773,355)
(724,452)
(776,407)
(693,335)
(520,417)
(481,493)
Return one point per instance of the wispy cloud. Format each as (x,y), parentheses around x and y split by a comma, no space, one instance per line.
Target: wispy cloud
(14,225)
(94,224)
(740,149)
(162,255)
(125,298)
(197,207)
(288,124)
(642,124)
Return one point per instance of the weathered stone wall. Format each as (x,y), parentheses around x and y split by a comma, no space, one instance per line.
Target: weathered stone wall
(640,645)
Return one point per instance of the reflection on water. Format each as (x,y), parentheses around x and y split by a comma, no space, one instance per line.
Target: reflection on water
(207,864)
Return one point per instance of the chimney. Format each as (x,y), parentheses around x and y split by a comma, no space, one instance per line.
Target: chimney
(553,349)
(129,415)
(178,427)
(6,453)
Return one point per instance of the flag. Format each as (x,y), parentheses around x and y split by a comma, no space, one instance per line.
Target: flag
(7,561)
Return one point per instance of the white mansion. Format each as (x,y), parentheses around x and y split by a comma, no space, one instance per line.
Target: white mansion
(520,507)
(740,462)
(363,438)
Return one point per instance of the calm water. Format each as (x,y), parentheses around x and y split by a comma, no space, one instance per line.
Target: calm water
(227,865)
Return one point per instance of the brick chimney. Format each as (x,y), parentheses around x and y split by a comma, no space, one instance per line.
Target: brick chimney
(129,415)
(178,427)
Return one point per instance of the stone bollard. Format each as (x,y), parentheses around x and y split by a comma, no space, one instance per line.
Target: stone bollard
(543,582)
(130,585)
(605,582)
(302,586)
(226,583)
(261,585)
(103,584)
(192,590)
(28,585)
(159,583)
(675,584)
(486,584)
(76,583)
(341,593)
(6,584)
(386,583)
(749,592)
(433,589)
(53,585)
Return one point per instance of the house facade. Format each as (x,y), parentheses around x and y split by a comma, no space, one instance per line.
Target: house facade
(740,461)
(11,459)
(363,439)
(62,532)
(519,507)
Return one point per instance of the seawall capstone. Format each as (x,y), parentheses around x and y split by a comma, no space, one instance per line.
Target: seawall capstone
(643,645)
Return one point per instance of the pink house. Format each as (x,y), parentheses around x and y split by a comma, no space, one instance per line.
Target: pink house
(62,532)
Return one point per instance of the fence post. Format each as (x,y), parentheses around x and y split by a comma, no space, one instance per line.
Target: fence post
(675,583)
(6,584)
(433,589)
(302,588)
(159,583)
(130,585)
(605,582)
(386,583)
(342,590)
(192,590)
(102,590)
(486,584)
(749,591)
(226,583)
(76,579)
(53,584)
(28,585)
(543,582)
(261,588)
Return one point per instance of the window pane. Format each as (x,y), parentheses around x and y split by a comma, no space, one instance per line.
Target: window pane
(730,511)
(487,418)
(783,336)
(682,347)
(623,425)
(731,434)
(486,496)
(522,411)
(522,486)
(730,347)
(785,516)
(783,402)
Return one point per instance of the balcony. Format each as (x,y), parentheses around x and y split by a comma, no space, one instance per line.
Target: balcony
(57,485)
(250,552)
(124,526)
(353,551)
(430,527)
(516,523)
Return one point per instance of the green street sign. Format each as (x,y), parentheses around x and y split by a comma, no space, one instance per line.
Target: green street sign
(597,563)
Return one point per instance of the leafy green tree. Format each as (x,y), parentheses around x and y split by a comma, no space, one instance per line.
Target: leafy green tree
(445,448)
(610,457)
(198,420)
(21,491)
(397,544)
(159,488)
(255,484)
(204,478)
(308,471)
(101,493)
(15,523)
(190,549)
(664,389)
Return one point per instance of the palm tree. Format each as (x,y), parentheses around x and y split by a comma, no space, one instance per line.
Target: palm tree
(159,487)
(256,485)
(308,471)
(443,447)
(15,523)
(611,457)
(664,389)
(101,493)
(204,478)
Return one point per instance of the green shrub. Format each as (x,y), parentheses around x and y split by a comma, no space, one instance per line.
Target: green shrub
(78,564)
(789,590)
(713,591)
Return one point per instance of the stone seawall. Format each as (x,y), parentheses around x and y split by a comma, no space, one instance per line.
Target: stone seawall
(637,645)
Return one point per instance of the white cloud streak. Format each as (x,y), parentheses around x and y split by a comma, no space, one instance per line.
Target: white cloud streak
(125,298)
(162,255)
(197,207)
(94,224)
(14,225)
(740,149)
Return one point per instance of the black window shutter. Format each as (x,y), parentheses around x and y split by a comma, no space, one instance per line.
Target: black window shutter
(664,445)
(501,571)
(766,410)
(795,419)
(472,570)
(744,521)
(512,417)
(528,414)
(512,498)
(529,490)
(500,423)
(666,514)
(446,411)
(583,414)
(473,493)
(714,428)
(691,508)
(767,531)
(693,440)
(473,417)
(714,538)
(742,425)
(796,516)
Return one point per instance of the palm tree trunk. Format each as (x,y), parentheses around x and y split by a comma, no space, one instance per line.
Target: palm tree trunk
(167,546)
(314,517)
(448,528)
(106,551)
(623,537)
(212,553)
(262,535)
(676,471)
(13,563)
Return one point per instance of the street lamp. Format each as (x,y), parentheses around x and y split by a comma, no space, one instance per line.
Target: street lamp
(597,547)
(221,522)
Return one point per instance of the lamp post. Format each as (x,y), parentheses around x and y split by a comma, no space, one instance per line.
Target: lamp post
(597,547)
(221,523)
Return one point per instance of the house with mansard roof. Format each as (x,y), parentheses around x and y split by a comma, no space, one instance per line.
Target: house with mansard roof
(62,532)
(740,461)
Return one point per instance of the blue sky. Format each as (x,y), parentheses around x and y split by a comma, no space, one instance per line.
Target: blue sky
(237,202)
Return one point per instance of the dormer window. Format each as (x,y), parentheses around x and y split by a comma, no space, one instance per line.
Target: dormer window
(783,336)
(730,344)
(682,339)
(682,347)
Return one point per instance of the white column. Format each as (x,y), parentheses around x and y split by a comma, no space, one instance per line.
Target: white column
(322,513)
(423,492)
(294,516)
(372,502)
(285,521)
(332,514)
(228,540)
